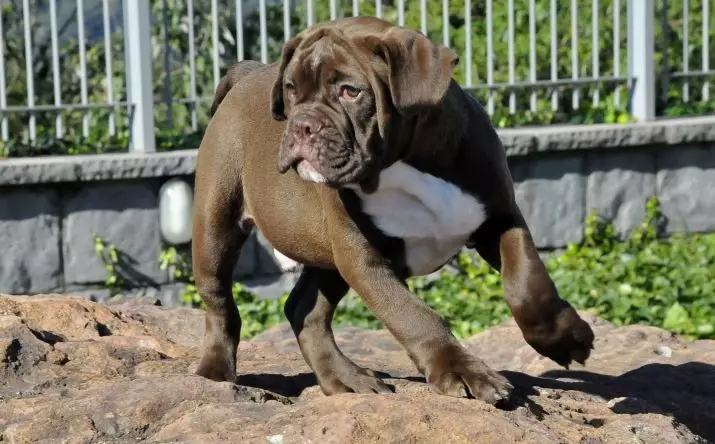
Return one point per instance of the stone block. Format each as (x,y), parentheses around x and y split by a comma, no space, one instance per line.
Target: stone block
(686,188)
(551,197)
(30,259)
(518,168)
(618,186)
(124,213)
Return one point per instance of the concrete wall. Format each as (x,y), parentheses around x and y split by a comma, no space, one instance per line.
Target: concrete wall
(50,208)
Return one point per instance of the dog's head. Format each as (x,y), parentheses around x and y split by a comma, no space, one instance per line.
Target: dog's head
(341,84)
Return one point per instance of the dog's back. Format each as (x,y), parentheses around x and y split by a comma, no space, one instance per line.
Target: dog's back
(233,76)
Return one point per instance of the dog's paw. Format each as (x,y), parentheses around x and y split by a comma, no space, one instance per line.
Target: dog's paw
(217,365)
(347,377)
(462,375)
(563,338)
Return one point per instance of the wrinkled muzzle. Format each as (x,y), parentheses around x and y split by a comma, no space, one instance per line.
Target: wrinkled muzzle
(318,152)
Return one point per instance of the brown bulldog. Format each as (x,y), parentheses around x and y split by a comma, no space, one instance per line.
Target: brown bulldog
(359,157)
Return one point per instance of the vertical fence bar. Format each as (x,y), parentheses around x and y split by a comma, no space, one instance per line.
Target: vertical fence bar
(445,22)
(356,8)
(167,66)
(686,51)
(378,8)
(239,29)
(29,74)
(82,65)
(532,52)
(512,74)
(137,38)
(107,65)
(594,52)
(665,84)
(333,10)
(3,91)
(286,20)
(310,13)
(264,30)
(423,16)
(57,84)
(400,12)
(574,53)
(468,41)
(192,65)
(617,48)
(490,56)
(706,48)
(215,42)
(641,66)
(554,55)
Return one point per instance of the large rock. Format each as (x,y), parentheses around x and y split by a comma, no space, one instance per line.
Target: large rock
(30,259)
(77,371)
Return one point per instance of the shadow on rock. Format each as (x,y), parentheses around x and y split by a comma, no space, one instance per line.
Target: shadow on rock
(684,392)
(289,386)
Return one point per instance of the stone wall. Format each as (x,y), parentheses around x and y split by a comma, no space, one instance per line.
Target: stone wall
(50,208)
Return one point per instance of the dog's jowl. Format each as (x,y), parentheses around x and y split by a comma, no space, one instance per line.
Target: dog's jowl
(358,156)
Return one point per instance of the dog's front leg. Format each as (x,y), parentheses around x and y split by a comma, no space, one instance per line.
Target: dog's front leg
(309,309)
(549,323)
(448,367)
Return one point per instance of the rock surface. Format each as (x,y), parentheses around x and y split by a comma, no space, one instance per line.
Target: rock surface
(74,371)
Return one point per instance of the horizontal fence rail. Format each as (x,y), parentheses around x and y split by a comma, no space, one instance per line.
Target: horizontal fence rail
(112,75)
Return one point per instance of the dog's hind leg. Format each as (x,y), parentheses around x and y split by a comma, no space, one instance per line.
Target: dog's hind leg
(218,237)
(310,309)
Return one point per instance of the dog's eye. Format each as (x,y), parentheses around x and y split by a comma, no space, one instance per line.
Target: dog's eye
(349,92)
(289,87)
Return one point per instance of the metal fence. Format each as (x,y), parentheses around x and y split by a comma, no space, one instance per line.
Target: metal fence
(137,66)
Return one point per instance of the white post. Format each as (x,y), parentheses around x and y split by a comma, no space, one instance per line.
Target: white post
(641,67)
(137,47)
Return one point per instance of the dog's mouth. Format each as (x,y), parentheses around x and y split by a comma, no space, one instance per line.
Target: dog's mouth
(329,160)
(308,172)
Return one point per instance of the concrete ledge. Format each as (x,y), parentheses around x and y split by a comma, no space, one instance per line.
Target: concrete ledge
(517,142)
(522,141)
(94,167)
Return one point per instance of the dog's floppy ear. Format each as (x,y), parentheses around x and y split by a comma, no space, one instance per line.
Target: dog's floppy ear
(277,105)
(419,71)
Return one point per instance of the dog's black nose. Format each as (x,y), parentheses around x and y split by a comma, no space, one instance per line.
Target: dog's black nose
(306,127)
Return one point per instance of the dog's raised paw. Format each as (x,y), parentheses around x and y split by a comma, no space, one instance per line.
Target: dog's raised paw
(564,339)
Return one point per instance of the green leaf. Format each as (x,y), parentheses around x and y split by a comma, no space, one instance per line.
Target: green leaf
(676,318)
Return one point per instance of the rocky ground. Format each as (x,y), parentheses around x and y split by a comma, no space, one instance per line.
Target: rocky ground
(75,371)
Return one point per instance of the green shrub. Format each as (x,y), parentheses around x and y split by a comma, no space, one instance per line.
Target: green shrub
(647,279)
(644,279)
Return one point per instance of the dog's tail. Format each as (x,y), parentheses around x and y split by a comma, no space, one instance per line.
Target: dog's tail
(234,74)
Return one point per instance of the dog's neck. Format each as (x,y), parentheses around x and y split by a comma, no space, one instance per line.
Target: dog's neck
(435,137)
(438,141)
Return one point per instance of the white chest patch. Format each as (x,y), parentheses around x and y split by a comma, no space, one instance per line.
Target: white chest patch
(432,216)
